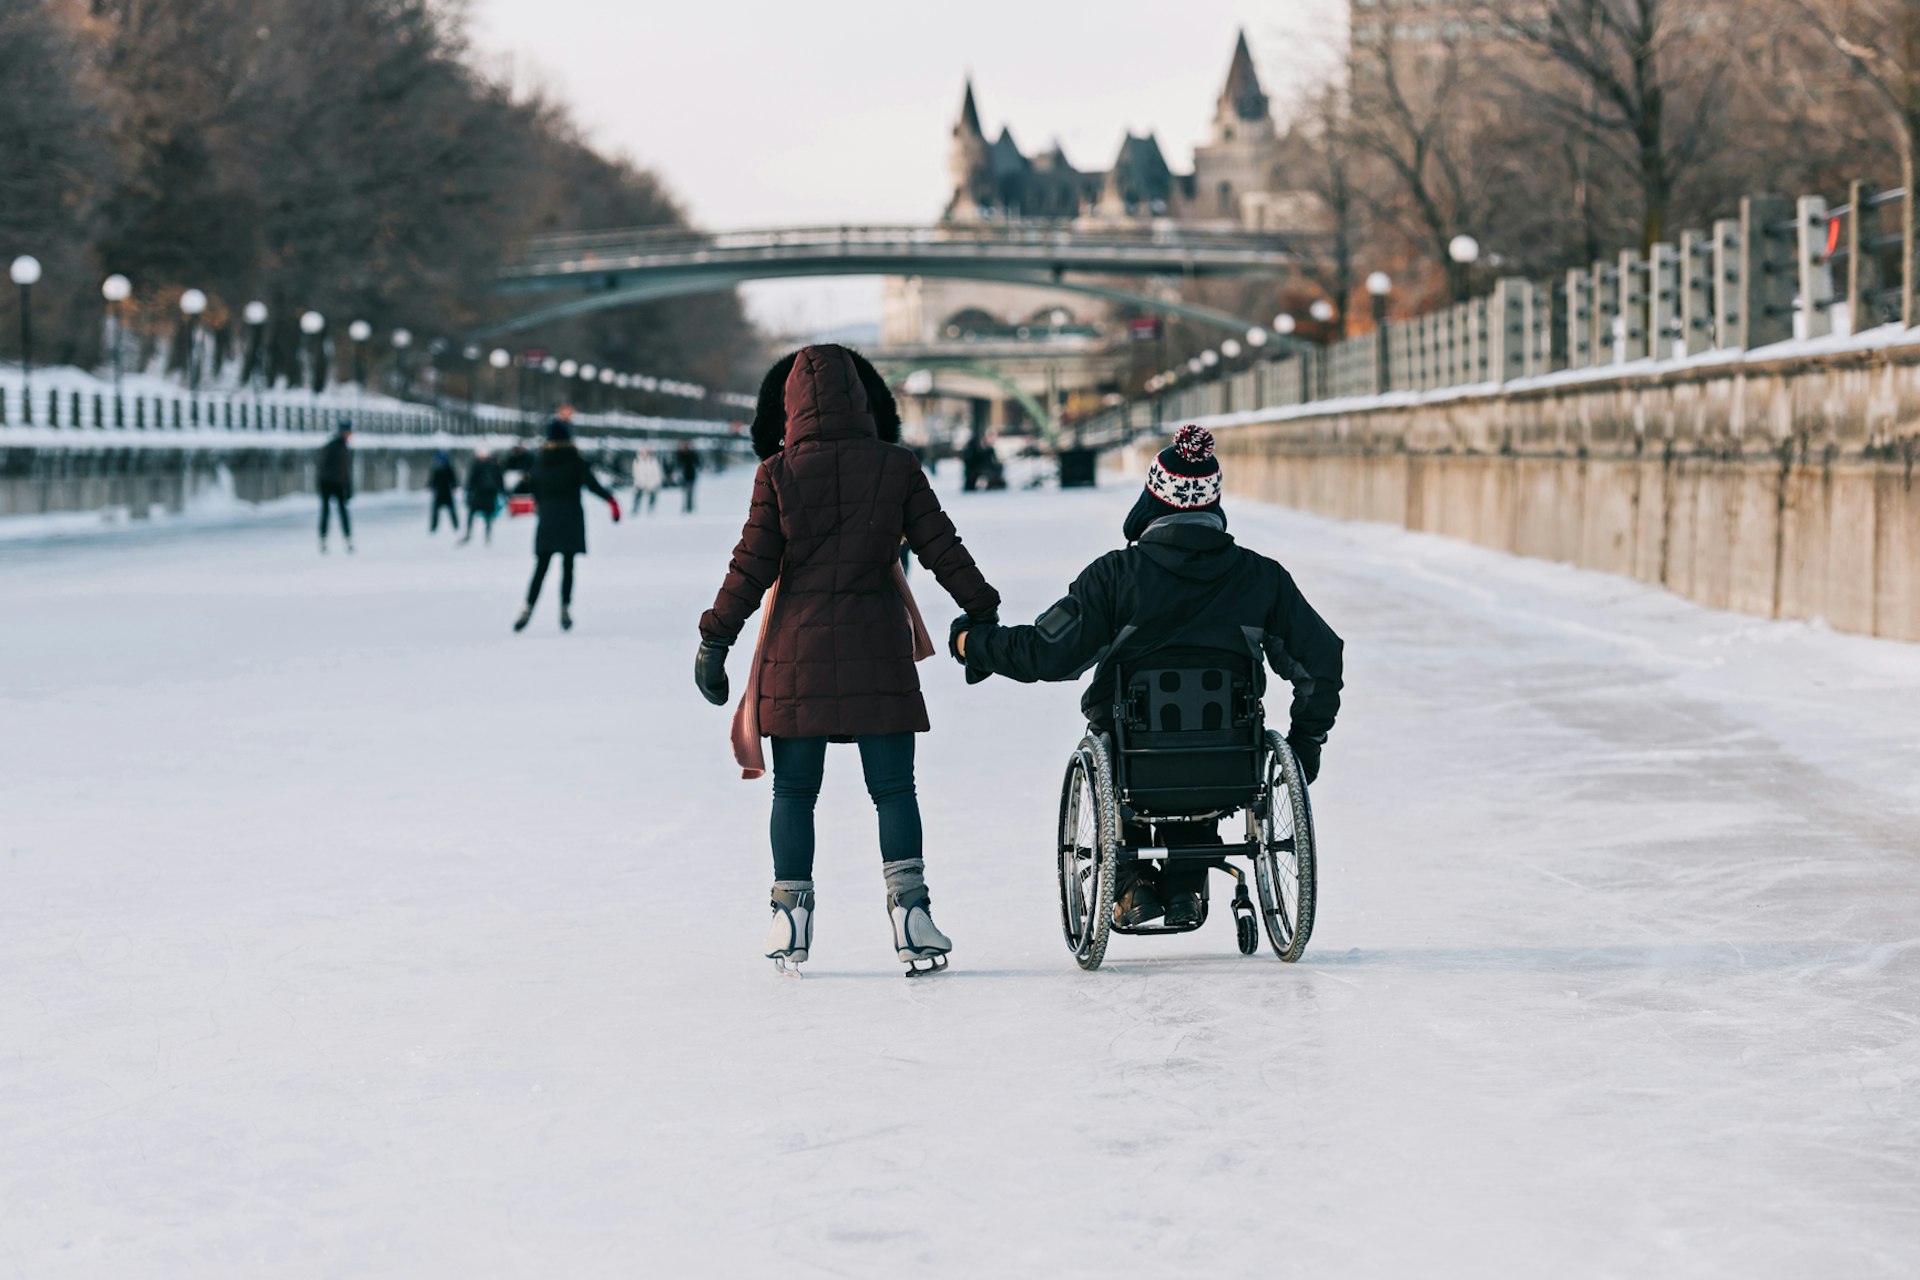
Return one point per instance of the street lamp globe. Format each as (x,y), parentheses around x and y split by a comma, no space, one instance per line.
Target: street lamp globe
(25,270)
(312,322)
(589,372)
(192,302)
(1256,337)
(1464,249)
(255,313)
(550,365)
(1284,324)
(606,377)
(1321,310)
(1194,365)
(116,288)
(1230,349)
(568,368)
(1209,357)
(470,353)
(402,339)
(359,331)
(1379,284)
(500,358)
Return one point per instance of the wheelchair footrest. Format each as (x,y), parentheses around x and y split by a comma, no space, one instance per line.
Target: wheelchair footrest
(1202,853)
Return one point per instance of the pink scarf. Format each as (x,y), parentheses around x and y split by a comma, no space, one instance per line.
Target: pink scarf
(746,717)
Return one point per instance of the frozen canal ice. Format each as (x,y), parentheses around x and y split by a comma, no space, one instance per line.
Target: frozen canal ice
(345,933)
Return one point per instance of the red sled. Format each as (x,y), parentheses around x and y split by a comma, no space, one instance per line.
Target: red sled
(519,506)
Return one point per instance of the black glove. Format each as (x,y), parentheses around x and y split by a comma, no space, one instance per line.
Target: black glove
(963,624)
(710,672)
(1308,750)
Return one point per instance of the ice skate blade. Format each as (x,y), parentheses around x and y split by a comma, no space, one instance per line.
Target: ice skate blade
(925,966)
(786,966)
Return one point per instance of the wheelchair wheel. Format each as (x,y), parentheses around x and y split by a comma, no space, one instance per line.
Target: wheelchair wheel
(1089,826)
(1284,869)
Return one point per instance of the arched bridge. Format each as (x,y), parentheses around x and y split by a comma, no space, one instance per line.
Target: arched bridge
(620,268)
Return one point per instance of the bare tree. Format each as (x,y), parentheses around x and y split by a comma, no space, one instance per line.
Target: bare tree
(1880,42)
(1416,114)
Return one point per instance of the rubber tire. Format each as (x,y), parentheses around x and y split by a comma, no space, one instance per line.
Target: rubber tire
(1091,763)
(1292,792)
(1246,933)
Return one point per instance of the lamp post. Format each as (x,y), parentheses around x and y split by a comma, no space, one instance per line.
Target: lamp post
(313,324)
(402,339)
(499,358)
(471,354)
(1379,286)
(255,314)
(193,304)
(1465,251)
(26,273)
(116,289)
(359,332)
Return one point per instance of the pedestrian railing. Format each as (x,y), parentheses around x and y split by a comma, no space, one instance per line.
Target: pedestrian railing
(1783,269)
(67,408)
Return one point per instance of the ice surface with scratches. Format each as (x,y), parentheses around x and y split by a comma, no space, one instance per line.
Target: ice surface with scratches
(344,932)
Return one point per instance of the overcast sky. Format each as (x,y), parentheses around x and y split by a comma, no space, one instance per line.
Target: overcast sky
(767,112)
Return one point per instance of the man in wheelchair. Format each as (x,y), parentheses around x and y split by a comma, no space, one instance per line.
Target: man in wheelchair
(1180,584)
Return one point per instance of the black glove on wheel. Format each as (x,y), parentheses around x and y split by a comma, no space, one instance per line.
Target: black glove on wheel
(710,672)
(1308,751)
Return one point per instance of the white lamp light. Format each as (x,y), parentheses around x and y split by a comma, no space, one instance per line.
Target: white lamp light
(1464,249)
(116,288)
(1321,310)
(1379,284)
(312,322)
(1284,324)
(255,313)
(359,331)
(192,302)
(500,359)
(25,269)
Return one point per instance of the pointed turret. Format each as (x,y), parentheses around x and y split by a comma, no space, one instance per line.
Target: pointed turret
(970,114)
(1243,95)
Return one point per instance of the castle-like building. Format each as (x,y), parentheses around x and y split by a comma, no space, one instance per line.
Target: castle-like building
(1236,173)
(1239,179)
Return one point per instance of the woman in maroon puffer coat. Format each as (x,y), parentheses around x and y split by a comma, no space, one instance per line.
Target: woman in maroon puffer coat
(833,498)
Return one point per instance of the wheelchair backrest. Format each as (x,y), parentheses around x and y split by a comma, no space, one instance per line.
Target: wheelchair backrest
(1188,731)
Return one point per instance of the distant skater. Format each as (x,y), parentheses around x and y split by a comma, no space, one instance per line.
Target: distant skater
(335,476)
(445,483)
(687,462)
(648,476)
(486,482)
(559,474)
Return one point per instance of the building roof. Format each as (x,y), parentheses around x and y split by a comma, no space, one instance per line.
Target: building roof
(970,114)
(1243,95)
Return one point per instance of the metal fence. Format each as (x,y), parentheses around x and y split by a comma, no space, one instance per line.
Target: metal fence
(99,411)
(1782,269)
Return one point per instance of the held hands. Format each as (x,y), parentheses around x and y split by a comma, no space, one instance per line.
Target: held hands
(710,672)
(1307,748)
(957,641)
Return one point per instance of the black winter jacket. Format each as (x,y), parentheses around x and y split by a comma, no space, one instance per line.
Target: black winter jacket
(559,474)
(1185,584)
(486,480)
(443,480)
(336,465)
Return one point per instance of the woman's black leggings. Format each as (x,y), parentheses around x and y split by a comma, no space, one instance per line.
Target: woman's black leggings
(798,766)
(540,576)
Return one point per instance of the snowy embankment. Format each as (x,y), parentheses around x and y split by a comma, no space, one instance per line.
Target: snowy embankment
(348,933)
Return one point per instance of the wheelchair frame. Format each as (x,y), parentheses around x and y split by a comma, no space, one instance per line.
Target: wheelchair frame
(1098,803)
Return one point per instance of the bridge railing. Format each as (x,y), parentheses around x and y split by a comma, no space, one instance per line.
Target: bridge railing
(1782,270)
(574,249)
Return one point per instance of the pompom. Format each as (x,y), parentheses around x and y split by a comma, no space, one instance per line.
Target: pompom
(1194,443)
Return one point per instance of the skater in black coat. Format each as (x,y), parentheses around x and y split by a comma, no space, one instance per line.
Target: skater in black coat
(334,475)
(486,481)
(1180,582)
(559,474)
(445,483)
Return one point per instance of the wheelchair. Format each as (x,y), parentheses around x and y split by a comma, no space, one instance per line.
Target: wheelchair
(1187,747)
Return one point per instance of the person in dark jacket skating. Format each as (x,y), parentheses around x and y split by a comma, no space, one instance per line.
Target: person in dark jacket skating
(486,482)
(559,474)
(444,482)
(334,474)
(1181,581)
(686,463)
(832,499)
